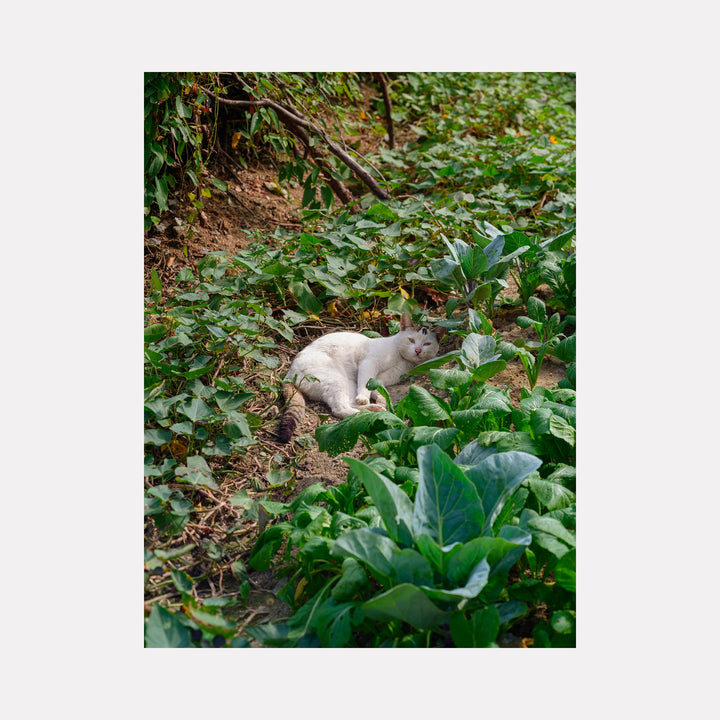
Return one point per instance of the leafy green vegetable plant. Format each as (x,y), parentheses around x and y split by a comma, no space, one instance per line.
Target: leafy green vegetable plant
(442,558)
(547,330)
(478,270)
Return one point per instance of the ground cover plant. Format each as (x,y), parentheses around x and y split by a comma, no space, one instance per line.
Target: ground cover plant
(447,520)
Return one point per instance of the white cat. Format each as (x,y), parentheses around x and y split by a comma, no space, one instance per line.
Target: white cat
(336,367)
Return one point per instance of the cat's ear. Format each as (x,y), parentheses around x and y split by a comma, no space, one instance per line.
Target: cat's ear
(440,333)
(405,322)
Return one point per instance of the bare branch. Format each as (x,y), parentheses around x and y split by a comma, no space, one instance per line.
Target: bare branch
(293,119)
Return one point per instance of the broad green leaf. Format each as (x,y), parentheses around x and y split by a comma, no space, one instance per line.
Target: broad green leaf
(422,407)
(411,567)
(369,547)
(480,630)
(196,472)
(333,623)
(469,421)
(195,409)
(494,249)
(430,550)
(305,298)
(561,428)
(478,349)
(394,505)
(488,369)
(447,506)
(157,437)
(496,477)
(473,262)
(154,332)
(548,533)
(237,427)
(536,309)
(406,603)
(551,495)
(335,438)
(229,401)
(442,437)
(473,453)
(164,630)
(267,545)
(445,379)
(475,583)
(182,581)
(564,571)
(367,282)
(353,580)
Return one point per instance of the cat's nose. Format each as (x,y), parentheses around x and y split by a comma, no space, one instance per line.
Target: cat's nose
(418,351)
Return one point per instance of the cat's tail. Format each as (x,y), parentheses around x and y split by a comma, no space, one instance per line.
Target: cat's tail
(294,411)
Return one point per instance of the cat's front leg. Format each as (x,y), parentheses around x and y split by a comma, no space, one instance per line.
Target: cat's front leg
(366,370)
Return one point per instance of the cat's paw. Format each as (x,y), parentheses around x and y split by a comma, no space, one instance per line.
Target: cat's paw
(362,399)
(375,407)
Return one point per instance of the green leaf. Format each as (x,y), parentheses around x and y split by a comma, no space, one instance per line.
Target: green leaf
(488,369)
(476,582)
(565,571)
(196,472)
(229,401)
(422,407)
(267,544)
(394,505)
(447,506)
(478,349)
(154,332)
(163,629)
(442,437)
(445,379)
(551,495)
(411,567)
(407,603)
(335,438)
(480,630)
(157,437)
(496,477)
(305,298)
(560,428)
(195,409)
(367,282)
(473,262)
(182,581)
(548,533)
(536,309)
(352,581)
(182,110)
(369,547)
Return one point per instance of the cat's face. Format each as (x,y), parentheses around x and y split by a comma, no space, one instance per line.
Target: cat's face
(419,344)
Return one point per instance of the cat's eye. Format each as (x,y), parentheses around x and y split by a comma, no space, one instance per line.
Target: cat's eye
(412,340)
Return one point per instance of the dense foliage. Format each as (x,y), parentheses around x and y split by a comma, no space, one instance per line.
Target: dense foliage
(458,525)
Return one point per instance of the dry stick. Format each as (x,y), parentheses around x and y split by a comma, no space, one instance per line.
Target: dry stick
(388,109)
(338,187)
(292,117)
